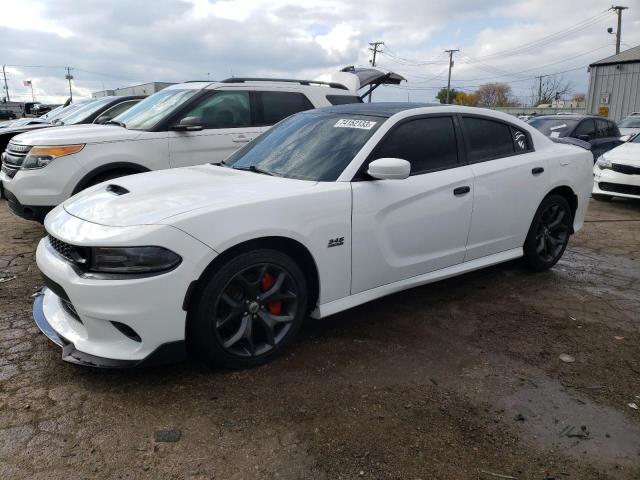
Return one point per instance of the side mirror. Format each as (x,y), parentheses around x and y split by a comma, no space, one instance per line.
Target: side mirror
(625,138)
(584,138)
(102,120)
(389,169)
(188,124)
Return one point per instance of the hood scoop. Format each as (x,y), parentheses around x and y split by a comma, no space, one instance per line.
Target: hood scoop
(116,189)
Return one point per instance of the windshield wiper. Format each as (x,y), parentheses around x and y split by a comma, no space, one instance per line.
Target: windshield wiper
(116,122)
(253,168)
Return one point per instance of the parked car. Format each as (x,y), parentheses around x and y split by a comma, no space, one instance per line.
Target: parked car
(6,114)
(602,134)
(186,124)
(629,126)
(329,209)
(617,172)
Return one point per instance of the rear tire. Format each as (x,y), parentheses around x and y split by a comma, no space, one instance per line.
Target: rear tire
(549,233)
(601,197)
(248,310)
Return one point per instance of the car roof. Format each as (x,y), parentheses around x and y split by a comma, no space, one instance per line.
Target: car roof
(376,109)
(570,116)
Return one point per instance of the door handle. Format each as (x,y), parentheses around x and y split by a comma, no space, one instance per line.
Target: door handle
(537,171)
(240,139)
(461,190)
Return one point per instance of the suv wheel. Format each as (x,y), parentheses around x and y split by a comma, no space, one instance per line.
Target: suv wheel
(249,310)
(549,233)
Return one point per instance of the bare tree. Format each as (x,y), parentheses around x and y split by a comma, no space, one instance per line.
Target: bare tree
(495,95)
(553,86)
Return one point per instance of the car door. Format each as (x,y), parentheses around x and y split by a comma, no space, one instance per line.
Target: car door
(225,116)
(510,180)
(405,228)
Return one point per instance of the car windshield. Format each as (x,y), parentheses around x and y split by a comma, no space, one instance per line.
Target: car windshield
(308,146)
(78,115)
(151,110)
(630,122)
(554,127)
(66,110)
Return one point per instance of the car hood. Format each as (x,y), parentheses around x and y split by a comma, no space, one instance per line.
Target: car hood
(152,197)
(17,129)
(629,131)
(627,154)
(71,134)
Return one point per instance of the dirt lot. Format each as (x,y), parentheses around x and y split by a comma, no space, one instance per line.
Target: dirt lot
(456,380)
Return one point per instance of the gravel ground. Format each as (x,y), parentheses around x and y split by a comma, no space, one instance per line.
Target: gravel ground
(456,380)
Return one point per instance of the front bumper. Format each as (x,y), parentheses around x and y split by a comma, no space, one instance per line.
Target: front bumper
(166,353)
(609,182)
(28,212)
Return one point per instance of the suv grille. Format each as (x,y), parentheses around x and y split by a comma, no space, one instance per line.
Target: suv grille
(627,169)
(71,253)
(13,158)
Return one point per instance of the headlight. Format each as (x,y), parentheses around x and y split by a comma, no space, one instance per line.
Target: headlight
(139,260)
(40,157)
(603,163)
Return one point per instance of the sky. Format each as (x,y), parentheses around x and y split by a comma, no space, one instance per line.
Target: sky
(116,43)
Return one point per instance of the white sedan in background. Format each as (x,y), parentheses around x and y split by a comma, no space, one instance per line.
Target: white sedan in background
(329,209)
(617,172)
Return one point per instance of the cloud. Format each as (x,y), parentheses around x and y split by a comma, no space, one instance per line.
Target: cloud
(123,42)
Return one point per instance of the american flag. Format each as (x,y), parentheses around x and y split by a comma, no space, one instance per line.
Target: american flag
(27,83)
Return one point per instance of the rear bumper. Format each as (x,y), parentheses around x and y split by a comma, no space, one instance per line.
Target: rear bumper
(28,212)
(166,353)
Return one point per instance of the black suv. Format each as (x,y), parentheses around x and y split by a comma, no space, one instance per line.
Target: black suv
(602,134)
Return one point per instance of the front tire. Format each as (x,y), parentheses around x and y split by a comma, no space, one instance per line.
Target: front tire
(249,310)
(549,233)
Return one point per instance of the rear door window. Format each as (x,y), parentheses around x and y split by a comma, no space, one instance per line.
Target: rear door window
(275,106)
(602,128)
(487,139)
(586,127)
(343,99)
(428,144)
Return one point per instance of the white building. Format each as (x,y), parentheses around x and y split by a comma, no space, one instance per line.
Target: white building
(614,85)
(142,89)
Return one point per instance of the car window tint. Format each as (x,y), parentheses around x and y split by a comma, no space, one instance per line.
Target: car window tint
(277,106)
(586,127)
(520,140)
(427,143)
(487,139)
(343,99)
(118,109)
(602,128)
(222,110)
(612,130)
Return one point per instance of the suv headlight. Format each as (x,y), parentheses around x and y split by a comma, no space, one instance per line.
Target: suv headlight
(603,163)
(139,260)
(40,157)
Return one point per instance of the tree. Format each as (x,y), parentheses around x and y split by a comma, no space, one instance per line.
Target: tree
(442,95)
(553,86)
(578,97)
(495,95)
(468,99)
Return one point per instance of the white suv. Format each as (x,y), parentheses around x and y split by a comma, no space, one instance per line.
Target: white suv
(187,124)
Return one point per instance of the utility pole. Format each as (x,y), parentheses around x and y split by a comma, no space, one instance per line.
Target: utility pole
(33,97)
(69,77)
(450,52)
(618,10)
(6,88)
(375,50)
(540,88)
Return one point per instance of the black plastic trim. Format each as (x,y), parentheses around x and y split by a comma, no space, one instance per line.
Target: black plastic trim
(86,180)
(28,212)
(166,353)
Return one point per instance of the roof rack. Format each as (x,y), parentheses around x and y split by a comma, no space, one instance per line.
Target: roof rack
(287,80)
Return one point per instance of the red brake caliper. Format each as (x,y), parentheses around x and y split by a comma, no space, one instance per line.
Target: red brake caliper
(267,282)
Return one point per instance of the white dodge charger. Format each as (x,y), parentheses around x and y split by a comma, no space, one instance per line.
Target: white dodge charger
(329,209)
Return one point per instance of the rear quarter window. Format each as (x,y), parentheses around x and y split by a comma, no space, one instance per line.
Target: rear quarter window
(343,99)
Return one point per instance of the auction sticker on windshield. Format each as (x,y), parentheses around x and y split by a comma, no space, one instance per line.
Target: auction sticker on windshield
(351,123)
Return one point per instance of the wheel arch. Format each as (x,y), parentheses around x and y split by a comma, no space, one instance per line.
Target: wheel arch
(571,197)
(293,248)
(109,167)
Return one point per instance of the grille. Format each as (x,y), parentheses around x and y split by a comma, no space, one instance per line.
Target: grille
(14,155)
(9,171)
(71,253)
(619,188)
(627,169)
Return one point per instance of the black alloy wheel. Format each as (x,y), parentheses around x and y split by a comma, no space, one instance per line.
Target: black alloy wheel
(249,309)
(549,233)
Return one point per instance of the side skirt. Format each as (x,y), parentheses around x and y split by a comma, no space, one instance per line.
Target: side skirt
(345,303)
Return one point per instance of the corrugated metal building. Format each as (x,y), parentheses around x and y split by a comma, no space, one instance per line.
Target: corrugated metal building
(142,89)
(614,85)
